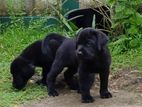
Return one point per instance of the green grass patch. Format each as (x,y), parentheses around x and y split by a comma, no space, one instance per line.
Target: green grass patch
(130,59)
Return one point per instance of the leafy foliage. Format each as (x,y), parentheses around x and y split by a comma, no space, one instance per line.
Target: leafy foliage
(127,24)
(60,16)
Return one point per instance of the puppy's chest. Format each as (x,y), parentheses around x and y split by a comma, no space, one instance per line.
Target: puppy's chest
(95,67)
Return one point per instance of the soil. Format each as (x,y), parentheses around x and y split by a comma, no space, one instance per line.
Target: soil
(126,87)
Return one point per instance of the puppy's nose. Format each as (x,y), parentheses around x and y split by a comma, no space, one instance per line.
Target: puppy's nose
(79,53)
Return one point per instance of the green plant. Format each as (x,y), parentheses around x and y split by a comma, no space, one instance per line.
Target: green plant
(60,16)
(127,23)
(131,59)
(15,7)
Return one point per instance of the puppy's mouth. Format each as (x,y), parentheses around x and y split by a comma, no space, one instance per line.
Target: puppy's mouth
(80,54)
(83,55)
(19,86)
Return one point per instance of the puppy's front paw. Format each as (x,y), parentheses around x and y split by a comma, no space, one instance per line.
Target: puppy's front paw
(53,93)
(105,94)
(87,99)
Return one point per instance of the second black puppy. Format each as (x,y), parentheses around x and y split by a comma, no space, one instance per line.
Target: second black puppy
(39,54)
(94,57)
(65,57)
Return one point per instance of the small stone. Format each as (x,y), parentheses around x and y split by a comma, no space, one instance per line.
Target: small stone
(15,105)
(30,81)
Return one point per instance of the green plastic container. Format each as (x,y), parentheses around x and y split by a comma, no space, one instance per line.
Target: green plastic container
(68,5)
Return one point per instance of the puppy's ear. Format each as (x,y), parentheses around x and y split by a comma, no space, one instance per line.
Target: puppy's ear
(102,40)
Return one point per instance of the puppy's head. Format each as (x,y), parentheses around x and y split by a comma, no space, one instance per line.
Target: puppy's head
(90,43)
(21,71)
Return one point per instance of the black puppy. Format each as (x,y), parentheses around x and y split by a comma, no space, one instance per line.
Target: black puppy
(65,57)
(39,54)
(94,57)
(84,18)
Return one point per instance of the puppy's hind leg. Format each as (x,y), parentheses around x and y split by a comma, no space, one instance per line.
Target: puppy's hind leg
(70,79)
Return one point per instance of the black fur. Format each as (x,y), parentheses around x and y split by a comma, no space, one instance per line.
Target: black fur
(85,18)
(91,54)
(39,54)
(94,57)
(65,57)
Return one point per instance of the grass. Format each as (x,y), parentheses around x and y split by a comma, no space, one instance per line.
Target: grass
(131,59)
(16,38)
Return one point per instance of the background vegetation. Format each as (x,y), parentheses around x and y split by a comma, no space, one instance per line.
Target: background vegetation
(125,45)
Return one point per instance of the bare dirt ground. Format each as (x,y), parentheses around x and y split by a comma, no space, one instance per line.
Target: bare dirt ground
(126,87)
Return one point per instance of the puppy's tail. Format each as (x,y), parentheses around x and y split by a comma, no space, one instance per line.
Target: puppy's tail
(51,43)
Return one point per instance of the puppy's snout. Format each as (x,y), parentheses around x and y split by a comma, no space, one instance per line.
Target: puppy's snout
(16,86)
(79,53)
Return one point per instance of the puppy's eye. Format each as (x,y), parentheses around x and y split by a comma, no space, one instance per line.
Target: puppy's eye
(89,44)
